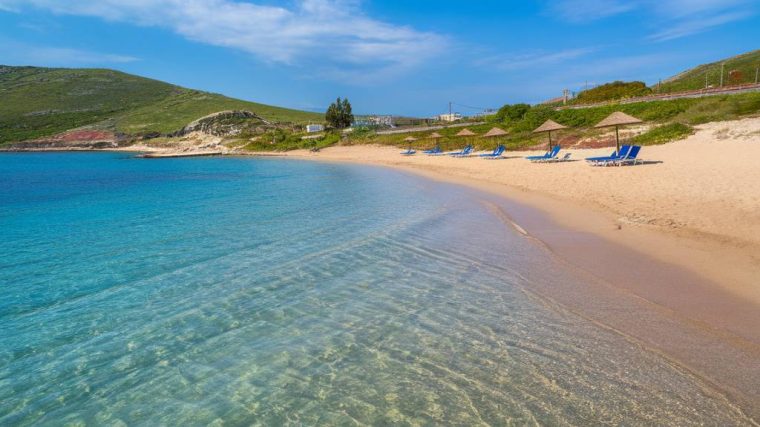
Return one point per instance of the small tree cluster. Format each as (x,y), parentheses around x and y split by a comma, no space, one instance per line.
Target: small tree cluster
(339,114)
(613,91)
(512,113)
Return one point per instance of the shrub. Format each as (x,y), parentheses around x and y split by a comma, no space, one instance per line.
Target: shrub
(613,91)
(512,113)
(663,134)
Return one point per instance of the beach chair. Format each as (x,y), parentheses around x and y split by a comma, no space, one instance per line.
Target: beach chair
(497,152)
(464,153)
(630,159)
(408,152)
(551,157)
(565,158)
(434,152)
(598,161)
(548,155)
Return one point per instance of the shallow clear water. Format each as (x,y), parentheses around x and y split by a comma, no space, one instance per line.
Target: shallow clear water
(244,291)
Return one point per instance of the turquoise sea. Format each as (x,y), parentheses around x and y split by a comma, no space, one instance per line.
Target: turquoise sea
(240,291)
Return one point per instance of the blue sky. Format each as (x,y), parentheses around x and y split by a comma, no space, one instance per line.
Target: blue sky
(394,56)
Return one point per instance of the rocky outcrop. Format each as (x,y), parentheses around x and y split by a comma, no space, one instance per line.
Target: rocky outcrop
(224,123)
(81,139)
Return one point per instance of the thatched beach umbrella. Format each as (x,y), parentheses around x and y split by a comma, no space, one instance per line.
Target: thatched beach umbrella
(549,126)
(494,133)
(617,119)
(435,136)
(465,132)
(410,140)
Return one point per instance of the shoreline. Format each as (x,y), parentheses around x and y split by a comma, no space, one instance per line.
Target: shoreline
(710,257)
(669,292)
(683,286)
(730,261)
(682,309)
(727,267)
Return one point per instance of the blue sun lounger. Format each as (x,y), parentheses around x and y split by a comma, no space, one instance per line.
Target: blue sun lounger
(497,152)
(565,158)
(408,152)
(434,152)
(612,157)
(464,153)
(549,154)
(630,159)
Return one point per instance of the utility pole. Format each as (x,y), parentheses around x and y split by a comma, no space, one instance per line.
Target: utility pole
(722,65)
(705,79)
(757,73)
(451,119)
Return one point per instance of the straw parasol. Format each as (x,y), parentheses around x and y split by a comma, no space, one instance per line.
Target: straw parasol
(494,133)
(549,126)
(466,133)
(435,136)
(617,119)
(410,140)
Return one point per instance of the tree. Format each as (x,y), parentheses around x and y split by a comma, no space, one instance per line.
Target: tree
(512,113)
(339,114)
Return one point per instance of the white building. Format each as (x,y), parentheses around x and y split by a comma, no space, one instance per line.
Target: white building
(314,128)
(449,117)
(381,120)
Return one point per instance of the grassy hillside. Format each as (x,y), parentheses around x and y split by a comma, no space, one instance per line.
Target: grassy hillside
(612,91)
(745,65)
(673,119)
(39,102)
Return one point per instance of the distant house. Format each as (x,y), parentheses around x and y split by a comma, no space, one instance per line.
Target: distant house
(449,117)
(374,121)
(314,128)
(382,120)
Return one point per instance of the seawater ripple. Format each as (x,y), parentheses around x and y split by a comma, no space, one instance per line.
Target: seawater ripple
(274,292)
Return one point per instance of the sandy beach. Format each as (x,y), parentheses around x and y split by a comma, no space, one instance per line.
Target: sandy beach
(697,204)
(671,247)
(678,238)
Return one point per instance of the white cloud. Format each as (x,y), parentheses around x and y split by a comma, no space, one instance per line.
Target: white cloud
(534,59)
(26,54)
(679,18)
(75,56)
(620,68)
(579,11)
(694,26)
(309,33)
(682,8)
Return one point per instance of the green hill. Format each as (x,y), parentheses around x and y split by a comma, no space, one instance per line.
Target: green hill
(612,91)
(737,70)
(37,102)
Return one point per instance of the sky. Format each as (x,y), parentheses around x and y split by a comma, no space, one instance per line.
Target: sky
(388,57)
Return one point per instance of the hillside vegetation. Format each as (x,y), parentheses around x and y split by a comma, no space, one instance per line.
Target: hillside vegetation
(39,102)
(672,120)
(612,91)
(739,69)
